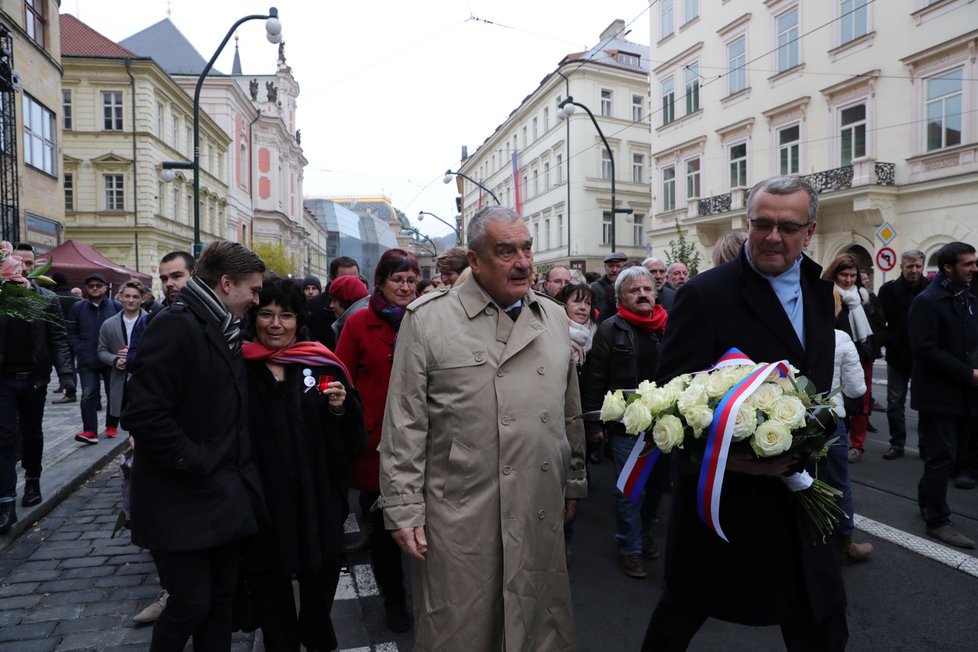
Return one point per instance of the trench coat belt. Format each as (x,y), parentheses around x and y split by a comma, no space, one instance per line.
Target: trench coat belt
(391,501)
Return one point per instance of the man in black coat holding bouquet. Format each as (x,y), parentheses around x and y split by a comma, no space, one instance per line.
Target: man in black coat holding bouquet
(770,304)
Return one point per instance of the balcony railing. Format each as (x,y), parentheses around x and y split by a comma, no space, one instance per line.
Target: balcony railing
(837,179)
(715,204)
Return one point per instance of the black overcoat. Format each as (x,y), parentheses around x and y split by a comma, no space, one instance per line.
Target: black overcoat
(767,574)
(194,486)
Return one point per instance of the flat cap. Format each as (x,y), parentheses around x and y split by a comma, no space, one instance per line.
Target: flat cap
(617,257)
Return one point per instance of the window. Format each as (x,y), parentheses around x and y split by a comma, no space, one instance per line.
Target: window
(112,110)
(160,115)
(546,234)
(176,204)
(546,176)
(638,168)
(176,132)
(638,108)
(787,28)
(160,198)
(606,171)
(39,145)
(852,19)
(536,182)
(638,231)
(524,136)
(243,170)
(34,20)
(692,178)
(536,235)
(944,94)
(737,65)
(691,9)
(190,207)
(692,88)
(668,101)
(66,110)
(114,195)
(560,169)
(738,165)
(69,192)
(853,133)
(668,24)
(629,59)
(535,133)
(606,226)
(669,189)
(546,119)
(606,102)
(560,229)
(789,140)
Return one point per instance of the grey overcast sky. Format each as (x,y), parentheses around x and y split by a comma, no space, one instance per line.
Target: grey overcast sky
(389,90)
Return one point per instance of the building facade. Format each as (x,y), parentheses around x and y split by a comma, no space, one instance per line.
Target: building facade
(556,171)
(876,107)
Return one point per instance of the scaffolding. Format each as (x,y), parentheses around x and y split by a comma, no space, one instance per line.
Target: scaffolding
(9,84)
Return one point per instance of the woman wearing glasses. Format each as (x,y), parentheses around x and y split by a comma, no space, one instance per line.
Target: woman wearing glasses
(366,347)
(306,427)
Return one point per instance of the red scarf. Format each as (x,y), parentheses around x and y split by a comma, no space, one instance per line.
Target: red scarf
(307,353)
(654,322)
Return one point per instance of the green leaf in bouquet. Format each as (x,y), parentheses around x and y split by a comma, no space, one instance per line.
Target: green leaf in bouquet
(805,385)
(631,398)
(828,396)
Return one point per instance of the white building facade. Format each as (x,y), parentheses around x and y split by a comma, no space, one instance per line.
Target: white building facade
(876,106)
(562,170)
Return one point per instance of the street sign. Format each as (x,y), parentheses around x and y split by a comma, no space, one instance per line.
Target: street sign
(886,259)
(886,233)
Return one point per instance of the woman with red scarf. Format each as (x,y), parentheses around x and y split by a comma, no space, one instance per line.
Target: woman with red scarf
(366,347)
(625,352)
(306,427)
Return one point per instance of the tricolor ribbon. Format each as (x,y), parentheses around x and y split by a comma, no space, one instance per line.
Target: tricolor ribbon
(637,468)
(710,484)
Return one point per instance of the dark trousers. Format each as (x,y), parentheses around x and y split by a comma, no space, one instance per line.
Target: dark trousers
(21,415)
(201,585)
(897,381)
(385,555)
(275,601)
(940,437)
(90,380)
(673,625)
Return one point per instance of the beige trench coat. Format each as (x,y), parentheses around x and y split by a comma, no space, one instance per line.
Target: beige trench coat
(482,442)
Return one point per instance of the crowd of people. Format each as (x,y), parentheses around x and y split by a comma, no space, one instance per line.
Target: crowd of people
(461,410)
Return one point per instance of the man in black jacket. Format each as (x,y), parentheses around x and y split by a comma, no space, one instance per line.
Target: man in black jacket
(896,296)
(195,492)
(321,315)
(604,287)
(28,349)
(943,325)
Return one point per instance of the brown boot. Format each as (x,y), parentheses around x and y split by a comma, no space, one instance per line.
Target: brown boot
(854,552)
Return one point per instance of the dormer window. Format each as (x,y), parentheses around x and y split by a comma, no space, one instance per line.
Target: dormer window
(629,59)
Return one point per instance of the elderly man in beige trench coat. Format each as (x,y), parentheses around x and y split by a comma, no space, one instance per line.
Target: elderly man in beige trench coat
(483,452)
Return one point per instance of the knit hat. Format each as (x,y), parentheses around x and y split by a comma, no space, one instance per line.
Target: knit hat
(312,280)
(348,289)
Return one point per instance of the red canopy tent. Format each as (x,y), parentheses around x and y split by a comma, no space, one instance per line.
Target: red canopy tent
(77,261)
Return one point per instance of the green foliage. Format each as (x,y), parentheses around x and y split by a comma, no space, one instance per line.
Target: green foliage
(275,258)
(21,302)
(683,251)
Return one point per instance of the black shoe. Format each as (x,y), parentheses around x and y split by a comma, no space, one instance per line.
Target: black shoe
(965,482)
(32,492)
(893,453)
(8,516)
(398,619)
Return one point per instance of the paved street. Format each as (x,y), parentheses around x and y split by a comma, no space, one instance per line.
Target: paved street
(66,585)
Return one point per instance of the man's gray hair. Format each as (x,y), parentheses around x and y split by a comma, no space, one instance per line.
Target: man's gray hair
(477,225)
(650,260)
(786,185)
(629,274)
(911,254)
(546,277)
(673,264)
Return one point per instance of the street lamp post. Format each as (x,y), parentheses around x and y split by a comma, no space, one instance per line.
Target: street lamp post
(273,29)
(564,111)
(458,234)
(448,179)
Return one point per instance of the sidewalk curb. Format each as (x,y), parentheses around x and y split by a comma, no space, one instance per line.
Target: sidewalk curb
(54,499)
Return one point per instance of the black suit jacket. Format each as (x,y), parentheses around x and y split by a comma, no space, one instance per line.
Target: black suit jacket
(193,484)
(733,306)
(321,318)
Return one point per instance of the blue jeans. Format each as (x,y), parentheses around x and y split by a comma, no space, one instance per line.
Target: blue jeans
(90,379)
(896,404)
(635,519)
(837,475)
(21,416)
(939,437)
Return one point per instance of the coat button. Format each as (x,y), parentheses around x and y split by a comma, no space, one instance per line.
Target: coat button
(540,370)
(480,356)
(490,311)
(507,469)
(545,466)
(545,417)
(505,421)
(500,373)
(541,515)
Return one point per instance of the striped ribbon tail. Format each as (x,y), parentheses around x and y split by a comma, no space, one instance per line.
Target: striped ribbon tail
(718,441)
(637,468)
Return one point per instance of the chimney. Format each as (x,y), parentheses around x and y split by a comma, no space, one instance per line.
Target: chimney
(465,152)
(615,27)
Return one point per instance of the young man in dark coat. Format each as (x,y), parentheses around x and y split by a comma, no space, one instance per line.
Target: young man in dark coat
(195,492)
(604,288)
(943,326)
(771,304)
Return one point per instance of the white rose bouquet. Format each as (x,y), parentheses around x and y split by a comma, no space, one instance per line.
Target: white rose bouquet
(766,409)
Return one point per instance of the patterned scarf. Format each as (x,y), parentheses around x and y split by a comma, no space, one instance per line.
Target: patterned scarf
(853,298)
(384,310)
(581,336)
(216,312)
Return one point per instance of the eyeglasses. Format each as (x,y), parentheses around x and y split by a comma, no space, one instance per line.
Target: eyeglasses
(95,286)
(410,282)
(283,317)
(784,228)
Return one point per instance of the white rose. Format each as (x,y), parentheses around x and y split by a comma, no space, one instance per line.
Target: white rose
(698,418)
(765,396)
(738,373)
(692,396)
(678,384)
(790,411)
(667,433)
(637,418)
(646,386)
(718,383)
(786,384)
(613,406)
(771,438)
(657,401)
(745,423)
